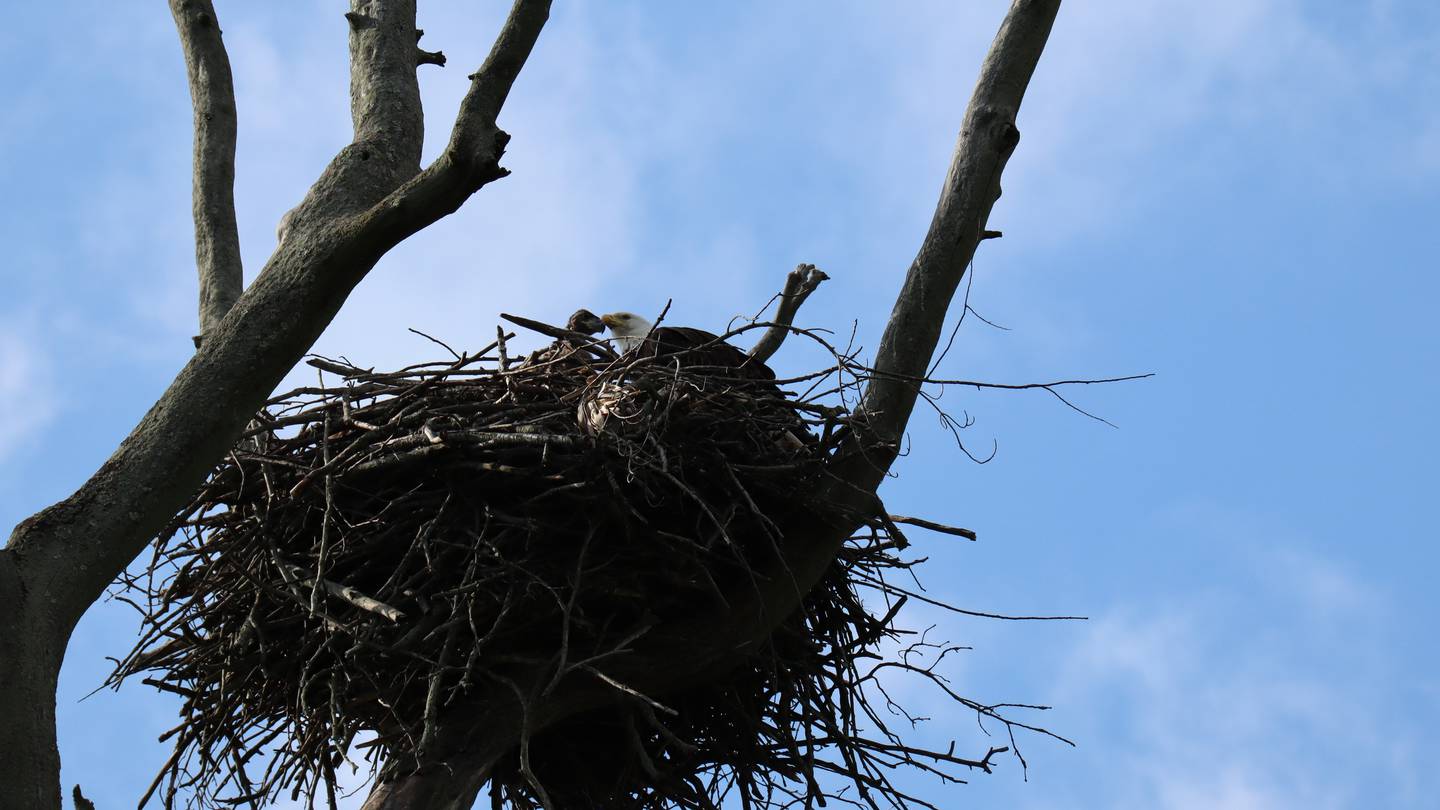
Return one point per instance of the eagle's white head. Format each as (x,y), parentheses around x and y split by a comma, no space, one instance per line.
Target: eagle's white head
(628,328)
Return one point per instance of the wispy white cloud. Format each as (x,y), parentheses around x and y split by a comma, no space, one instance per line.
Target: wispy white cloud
(1219,700)
(1196,701)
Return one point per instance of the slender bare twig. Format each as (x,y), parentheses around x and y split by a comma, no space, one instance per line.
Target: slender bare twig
(347,593)
(1048,387)
(934,527)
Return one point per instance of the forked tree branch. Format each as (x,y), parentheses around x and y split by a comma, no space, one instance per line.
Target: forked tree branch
(799,283)
(471,158)
(75,548)
(687,650)
(212,95)
(59,561)
(988,137)
(387,118)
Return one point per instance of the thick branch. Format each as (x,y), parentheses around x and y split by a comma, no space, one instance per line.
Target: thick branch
(472,156)
(69,552)
(490,85)
(987,138)
(388,121)
(799,283)
(59,561)
(384,92)
(212,94)
(680,652)
(29,668)
(376,186)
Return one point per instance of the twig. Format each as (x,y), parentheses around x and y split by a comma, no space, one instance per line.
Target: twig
(467,510)
(437,341)
(347,593)
(934,527)
(627,690)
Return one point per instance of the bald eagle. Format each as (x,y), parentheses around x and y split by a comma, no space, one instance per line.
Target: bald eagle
(585,322)
(569,347)
(692,348)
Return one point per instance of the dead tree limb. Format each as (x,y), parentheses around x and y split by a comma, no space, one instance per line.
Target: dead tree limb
(799,283)
(706,645)
(384,93)
(368,199)
(212,95)
(476,142)
(988,137)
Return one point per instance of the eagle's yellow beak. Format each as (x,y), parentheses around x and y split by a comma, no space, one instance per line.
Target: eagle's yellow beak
(610,321)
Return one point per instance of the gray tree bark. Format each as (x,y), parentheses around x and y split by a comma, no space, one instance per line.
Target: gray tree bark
(212,95)
(371,196)
(988,136)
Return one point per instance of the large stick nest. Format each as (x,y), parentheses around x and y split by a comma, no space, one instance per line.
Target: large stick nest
(374,550)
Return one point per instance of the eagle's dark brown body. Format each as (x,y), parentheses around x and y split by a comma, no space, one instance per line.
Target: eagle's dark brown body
(699,350)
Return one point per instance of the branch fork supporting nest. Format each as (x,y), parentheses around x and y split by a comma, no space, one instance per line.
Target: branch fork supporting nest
(375,551)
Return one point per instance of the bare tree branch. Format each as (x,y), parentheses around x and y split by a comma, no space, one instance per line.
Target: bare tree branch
(384,93)
(381,194)
(471,159)
(368,199)
(707,644)
(424,57)
(212,94)
(935,527)
(988,136)
(387,117)
(490,85)
(799,283)
(271,326)
(59,561)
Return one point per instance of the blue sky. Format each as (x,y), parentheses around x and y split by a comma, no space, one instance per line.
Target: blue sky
(1239,195)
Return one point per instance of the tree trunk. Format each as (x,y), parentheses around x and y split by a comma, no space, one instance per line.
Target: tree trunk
(30,661)
(372,196)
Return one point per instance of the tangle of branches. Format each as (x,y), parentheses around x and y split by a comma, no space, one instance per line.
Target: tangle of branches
(378,547)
